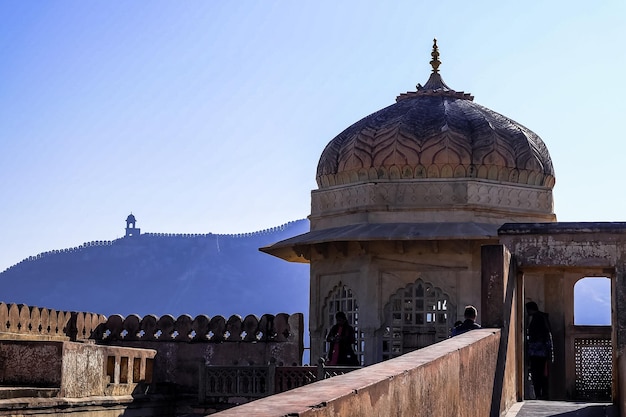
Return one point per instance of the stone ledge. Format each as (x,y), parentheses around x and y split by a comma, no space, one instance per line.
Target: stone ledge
(27,392)
(396,387)
(562,228)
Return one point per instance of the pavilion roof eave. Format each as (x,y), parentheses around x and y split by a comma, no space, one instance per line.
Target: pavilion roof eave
(291,249)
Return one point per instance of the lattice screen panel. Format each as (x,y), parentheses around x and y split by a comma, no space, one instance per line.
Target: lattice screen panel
(416,316)
(594,360)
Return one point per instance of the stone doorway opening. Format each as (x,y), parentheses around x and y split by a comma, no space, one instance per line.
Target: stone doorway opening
(590,345)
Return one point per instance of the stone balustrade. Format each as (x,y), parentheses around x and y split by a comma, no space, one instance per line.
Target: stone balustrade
(238,384)
(23,322)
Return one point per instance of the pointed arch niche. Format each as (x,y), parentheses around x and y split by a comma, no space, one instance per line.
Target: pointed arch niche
(592,301)
(416,316)
(341,298)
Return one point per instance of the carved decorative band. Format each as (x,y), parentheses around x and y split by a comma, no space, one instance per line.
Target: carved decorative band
(429,195)
(407,172)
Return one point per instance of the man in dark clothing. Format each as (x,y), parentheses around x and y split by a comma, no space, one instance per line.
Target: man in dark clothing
(539,348)
(469,323)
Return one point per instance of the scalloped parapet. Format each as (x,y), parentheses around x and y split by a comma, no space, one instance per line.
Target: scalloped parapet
(202,328)
(23,322)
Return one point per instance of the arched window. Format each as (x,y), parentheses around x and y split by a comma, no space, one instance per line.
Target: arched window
(416,316)
(592,302)
(342,299)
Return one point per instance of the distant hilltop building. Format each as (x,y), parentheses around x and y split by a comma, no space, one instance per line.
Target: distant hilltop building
(131,230)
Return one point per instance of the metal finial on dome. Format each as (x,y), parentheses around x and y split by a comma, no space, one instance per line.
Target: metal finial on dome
(435,54)
(435,85)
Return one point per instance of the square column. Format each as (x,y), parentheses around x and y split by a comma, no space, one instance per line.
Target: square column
(497,286)
(499,306)
(619,334)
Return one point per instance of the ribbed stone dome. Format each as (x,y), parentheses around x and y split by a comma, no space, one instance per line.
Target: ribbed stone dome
(435,132)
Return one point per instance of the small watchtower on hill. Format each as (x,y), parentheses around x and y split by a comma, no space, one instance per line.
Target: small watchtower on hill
(131,230)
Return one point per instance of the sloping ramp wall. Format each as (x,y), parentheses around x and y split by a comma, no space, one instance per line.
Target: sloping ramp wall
(451,378)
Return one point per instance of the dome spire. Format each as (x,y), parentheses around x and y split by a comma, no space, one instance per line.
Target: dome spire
(435,54)
(435,86)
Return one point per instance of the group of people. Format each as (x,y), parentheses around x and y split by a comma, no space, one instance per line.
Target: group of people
(539,346)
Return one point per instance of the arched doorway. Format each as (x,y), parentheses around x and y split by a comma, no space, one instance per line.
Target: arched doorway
(590,339)
(342,298)
(578,304)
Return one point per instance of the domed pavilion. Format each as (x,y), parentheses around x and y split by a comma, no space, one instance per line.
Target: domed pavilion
(407,196)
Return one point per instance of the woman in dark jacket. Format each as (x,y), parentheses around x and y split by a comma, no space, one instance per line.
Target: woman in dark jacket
(342,339)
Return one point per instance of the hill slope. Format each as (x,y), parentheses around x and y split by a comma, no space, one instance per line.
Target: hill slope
(165,274)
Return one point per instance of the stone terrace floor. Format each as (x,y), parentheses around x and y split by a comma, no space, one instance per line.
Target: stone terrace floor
(535,408)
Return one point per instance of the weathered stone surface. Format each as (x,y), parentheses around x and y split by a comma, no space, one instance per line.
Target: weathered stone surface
(429,382)
(20,363)
(76,369)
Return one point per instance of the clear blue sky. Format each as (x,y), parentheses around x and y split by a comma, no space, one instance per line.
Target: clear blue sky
(209,116)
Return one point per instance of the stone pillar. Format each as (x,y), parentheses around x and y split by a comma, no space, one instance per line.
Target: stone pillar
(555,300)
(495,270)
(372,342)
(317,342)
(498,299)
(619,332)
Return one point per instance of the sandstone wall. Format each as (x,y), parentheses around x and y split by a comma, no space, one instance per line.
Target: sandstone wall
(451,378)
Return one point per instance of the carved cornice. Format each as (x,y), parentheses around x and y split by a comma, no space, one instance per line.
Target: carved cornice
(429,195)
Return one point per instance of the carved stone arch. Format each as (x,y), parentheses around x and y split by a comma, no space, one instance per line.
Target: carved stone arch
(395,173)
(342,298)
(407,172)
(416,316)
(460,171)
(447,171)
(482,172)
(420,171)
(433,171)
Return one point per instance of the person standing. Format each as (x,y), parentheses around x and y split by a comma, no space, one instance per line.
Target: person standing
(539,348)
(469,323)
(342,339)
